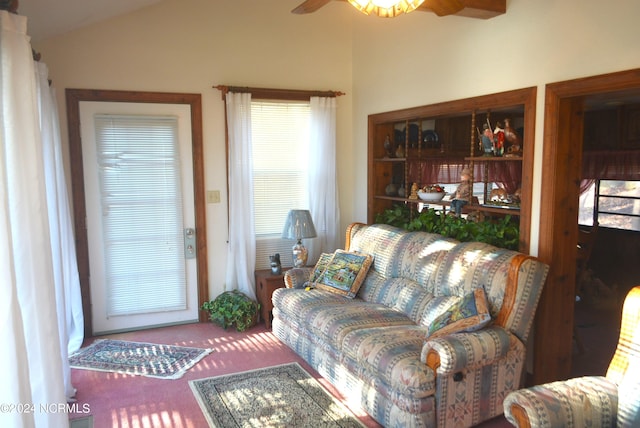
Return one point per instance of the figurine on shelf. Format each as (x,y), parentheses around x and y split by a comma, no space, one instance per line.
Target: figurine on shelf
(463,192)
(388,147)
(498,140)
(512,138)
(487,139)
(498,195)
(517,195)
(414,191)
(400,151)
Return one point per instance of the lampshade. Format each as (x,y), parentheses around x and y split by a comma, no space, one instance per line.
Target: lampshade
(298,226)
(386,8)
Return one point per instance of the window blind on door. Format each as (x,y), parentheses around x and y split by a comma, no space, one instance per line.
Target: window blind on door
(139,181)
(280,141)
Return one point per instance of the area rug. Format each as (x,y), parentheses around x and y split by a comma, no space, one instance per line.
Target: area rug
(278,396)
(137,358)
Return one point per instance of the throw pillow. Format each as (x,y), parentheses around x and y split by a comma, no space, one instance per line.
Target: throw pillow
(469,313)
(345,273)
(321,265)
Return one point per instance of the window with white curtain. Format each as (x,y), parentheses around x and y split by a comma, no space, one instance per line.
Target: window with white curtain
(141,197)
(280,141)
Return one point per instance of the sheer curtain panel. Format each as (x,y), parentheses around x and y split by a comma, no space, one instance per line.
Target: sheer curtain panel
(241,255)
(323,200)
(31,357)
(63,250)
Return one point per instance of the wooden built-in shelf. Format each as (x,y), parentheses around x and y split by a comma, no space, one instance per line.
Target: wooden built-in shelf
(455,126)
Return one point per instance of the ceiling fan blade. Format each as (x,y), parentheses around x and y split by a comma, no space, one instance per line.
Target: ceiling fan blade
(443,7)
(309,6)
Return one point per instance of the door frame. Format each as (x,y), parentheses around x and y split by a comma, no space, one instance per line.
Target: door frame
(558,237)
(73,99)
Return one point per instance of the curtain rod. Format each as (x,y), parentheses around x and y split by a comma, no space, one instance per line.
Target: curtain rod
(279,94)
(11,6)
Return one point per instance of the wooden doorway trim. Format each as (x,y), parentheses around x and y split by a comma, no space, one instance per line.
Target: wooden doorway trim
(562,163)
(73,99)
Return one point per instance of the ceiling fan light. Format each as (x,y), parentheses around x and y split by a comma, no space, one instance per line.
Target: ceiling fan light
(386,8)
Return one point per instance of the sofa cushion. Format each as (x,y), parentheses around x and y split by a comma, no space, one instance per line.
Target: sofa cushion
(398,253)
(345,273)
(329,316)
(391,354)
(468,313)
(402,294)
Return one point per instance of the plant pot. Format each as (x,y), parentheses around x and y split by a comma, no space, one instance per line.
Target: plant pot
(233,308)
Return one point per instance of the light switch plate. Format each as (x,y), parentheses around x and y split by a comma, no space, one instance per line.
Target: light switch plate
(213,196)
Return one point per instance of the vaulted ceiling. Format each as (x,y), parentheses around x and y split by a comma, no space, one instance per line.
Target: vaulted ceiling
(48,18)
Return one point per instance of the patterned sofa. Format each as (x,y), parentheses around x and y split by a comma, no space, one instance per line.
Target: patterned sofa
(374,347)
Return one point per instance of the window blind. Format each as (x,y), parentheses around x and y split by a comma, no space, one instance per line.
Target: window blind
(140,186)
(280,141)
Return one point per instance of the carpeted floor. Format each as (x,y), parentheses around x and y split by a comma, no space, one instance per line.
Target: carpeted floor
(280,396)
(128,401)
(137,358)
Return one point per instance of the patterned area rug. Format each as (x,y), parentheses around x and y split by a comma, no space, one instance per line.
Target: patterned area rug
(145,359)
(279,396)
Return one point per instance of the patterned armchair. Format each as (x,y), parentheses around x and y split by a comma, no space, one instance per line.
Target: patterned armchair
(589,401)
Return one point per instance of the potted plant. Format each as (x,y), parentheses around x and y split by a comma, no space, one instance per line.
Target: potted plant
(503,232)
(232,308)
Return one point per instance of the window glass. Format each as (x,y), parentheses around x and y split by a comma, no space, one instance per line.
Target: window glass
(611,203)
(280,142)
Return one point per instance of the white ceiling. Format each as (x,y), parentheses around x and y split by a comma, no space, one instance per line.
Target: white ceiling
(48,18)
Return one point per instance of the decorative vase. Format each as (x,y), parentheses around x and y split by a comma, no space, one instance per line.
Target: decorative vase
(391,189)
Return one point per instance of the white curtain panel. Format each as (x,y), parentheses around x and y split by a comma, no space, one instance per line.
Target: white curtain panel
(241,255)
(323,198)
(30,358)
(63,250)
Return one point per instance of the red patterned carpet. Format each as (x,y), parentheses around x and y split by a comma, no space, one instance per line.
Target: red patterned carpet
(127,401)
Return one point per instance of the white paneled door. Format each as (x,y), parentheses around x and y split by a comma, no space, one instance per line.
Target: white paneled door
(138,179)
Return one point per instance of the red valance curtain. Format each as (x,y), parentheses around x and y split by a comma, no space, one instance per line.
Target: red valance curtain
(446,170)
(442,170)
(611,165)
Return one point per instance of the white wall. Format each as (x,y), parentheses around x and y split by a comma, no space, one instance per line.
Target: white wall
(193,45)
(382,65)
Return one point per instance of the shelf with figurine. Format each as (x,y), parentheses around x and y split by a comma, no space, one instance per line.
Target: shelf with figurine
(500,143)
(422,146)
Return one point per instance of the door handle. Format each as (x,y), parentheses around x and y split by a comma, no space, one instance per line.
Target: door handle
(189,243)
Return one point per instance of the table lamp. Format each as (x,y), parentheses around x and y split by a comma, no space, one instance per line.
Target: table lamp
(299,226)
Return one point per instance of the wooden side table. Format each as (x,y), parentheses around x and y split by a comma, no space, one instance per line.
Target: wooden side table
(266,284)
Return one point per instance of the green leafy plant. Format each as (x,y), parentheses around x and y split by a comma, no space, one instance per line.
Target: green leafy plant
(232,307)
(502,232)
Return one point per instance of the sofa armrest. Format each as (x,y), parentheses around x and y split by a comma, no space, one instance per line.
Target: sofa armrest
(297,277)
(455,352)
(583,401)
